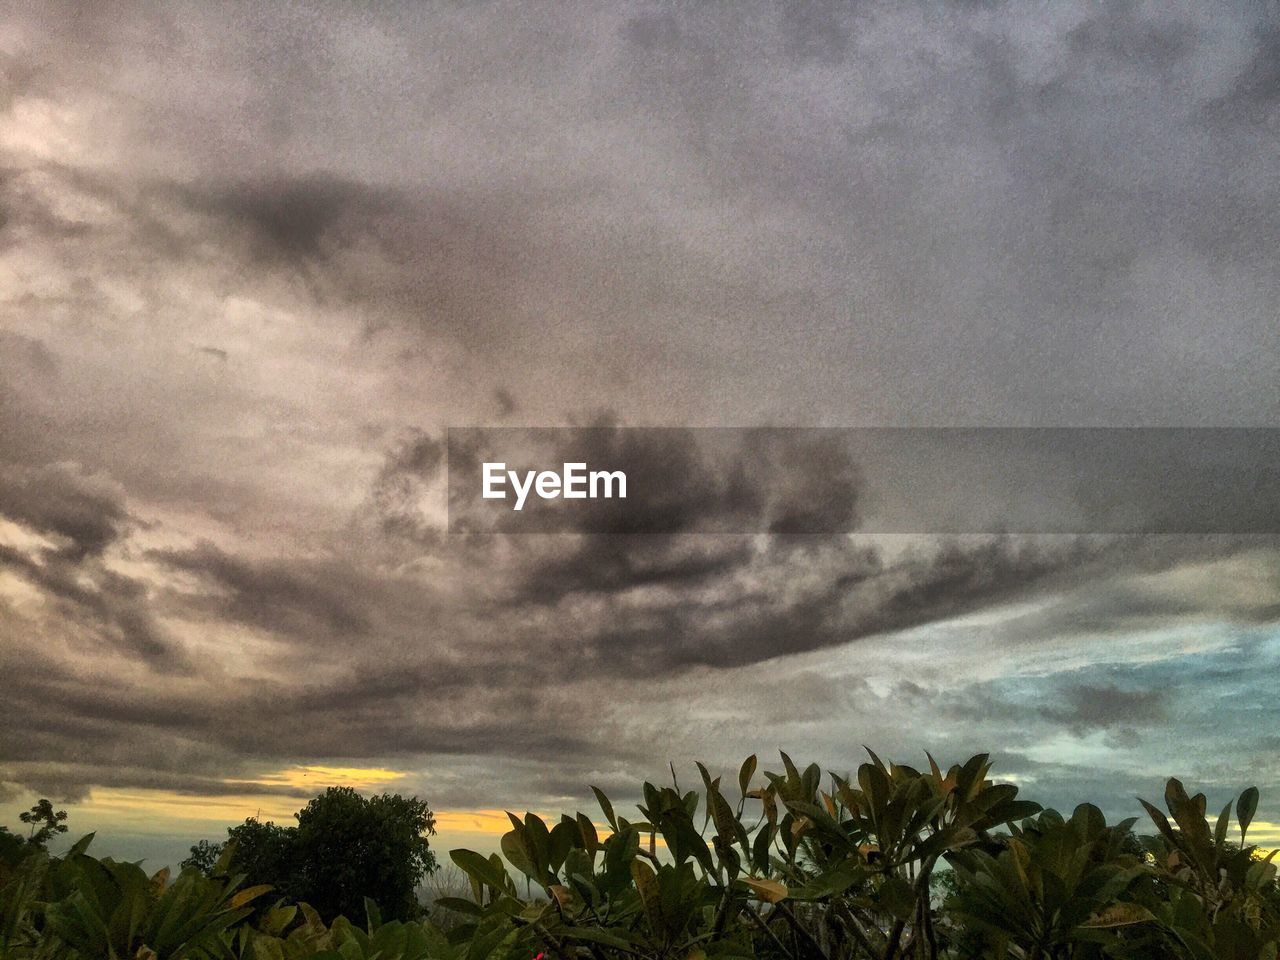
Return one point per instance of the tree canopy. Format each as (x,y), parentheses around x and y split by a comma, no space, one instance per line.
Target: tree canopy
(344,848)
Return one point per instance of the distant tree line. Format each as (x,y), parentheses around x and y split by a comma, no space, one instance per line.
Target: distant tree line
(888,863)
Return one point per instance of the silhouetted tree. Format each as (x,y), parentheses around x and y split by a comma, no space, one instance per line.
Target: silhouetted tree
(345,847)
(204,857)
(46,823)
(350,847)
(267,853)
(12,847)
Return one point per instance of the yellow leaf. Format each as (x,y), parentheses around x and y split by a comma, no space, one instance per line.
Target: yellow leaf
(829,804)
(769,891)
(160,879)
(1120,915)
(249,893)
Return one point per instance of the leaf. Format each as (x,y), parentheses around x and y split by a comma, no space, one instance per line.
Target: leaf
(933,768)
(223,865)
(897,897)
(248,894)
(746,773)
(792,773)
(760,847)
(310,919)
(650,894)
(459,905)
(607,807)
(1119,915)
(277,919)
(1220,831)
(372,915)
(587,834)
(832,882)
(828,803)
(562,894)
(477,867)
(1246,807)
(1161,822)
(159,880)
(607,938)
(515,847)
(768,891)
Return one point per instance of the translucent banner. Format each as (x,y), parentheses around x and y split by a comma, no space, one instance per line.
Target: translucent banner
(659,480)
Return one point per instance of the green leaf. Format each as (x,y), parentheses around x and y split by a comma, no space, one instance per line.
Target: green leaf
(607,807)
(478,868)
(832,882)
(1246,807)
(1220,831)
(607,938)
(746,773)
(646,882)
(515,848)
(458,905)
(587,833)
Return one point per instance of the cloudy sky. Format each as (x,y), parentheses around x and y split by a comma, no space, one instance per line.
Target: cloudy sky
(255,259)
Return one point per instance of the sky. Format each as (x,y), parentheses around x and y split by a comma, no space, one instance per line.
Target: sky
(255,259)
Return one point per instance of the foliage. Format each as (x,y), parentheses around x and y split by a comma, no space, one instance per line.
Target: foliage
(81,907)
(1051,881)
(350,847)
(204,857)
(890,863)
(345,848)
(265,853)
(12,847)
(46,823)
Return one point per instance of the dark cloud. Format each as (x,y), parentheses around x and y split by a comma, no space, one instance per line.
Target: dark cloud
(403,490)
(299,599)
(26,354)
(506,402)
(83,513)
(1120,34)
(1086,707)
(297,220)
(110,612)
(1255,92)
(390,220)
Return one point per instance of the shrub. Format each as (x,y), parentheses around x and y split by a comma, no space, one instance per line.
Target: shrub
(788,864)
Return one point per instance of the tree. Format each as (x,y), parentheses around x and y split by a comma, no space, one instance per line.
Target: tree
(345,847)
(12,847)
(350,847)
(204,857)
(267,853)
(45,822)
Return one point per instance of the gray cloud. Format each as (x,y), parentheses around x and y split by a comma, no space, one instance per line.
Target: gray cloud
(1087,707)
(258,258)
(83,513)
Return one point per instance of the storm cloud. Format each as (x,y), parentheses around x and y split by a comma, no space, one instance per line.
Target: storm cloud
(257,259)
